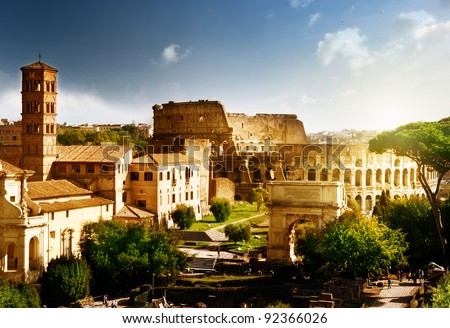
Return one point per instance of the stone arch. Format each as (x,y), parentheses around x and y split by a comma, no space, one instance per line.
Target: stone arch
(324,175)
(369,203)
(379,176)
(358,199)
(358,178)
(405,178)
(369,175)
(11,257)
(388,176)
(412,178)
(336,174)
(33,253)
(311,175)
(397,177)
(292,220)
(348,176)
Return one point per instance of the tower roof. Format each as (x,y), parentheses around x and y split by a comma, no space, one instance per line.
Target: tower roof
(39,65)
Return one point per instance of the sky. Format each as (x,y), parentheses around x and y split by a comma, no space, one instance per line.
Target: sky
(363,65)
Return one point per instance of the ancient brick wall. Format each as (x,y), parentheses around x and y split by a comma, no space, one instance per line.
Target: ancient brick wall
(278,128)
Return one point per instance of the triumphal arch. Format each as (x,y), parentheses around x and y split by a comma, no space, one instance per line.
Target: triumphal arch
(292,202)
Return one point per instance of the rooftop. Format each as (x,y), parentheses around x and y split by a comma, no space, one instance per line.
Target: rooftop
(75,204)
(54,189)
(10,169)
(39,65)
(93,153)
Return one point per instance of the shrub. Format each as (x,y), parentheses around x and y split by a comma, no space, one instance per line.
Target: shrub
(18,295)
(221,209)
(238,232)
(183,216)
(66,280)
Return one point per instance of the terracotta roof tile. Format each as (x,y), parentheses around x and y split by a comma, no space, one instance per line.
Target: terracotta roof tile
(164,159)
(39,65)
(75,204)
(93,153)
(129,211)
(54,189)
(8,168)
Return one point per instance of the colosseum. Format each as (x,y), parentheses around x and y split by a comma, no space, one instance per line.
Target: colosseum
(253,150)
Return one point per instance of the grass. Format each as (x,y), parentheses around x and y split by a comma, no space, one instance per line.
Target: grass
(239,211)
(216,279)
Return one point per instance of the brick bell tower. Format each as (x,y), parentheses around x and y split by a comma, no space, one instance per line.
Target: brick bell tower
(38,119)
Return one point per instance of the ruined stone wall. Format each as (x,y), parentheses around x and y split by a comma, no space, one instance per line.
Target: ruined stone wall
(222,188)
(278,128)
(185,120)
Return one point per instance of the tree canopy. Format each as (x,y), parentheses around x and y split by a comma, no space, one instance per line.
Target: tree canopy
(238,232)
(428,145)
(126,255)
(183,216)
(353,244)
(259,196)
(66,280)
(18,295)
(413,216)
(220,208)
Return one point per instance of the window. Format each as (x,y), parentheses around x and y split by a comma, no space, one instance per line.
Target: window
(148,176)
(141,203)
(174,198)
(76,168)
(90,168)
(67,214)
(134,176)
(12,199)
(168,175)
(52,234)
(160,176)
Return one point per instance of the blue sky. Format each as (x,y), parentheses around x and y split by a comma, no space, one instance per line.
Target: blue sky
(336,64)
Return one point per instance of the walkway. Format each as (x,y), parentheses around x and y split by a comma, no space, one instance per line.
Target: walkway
(398,296)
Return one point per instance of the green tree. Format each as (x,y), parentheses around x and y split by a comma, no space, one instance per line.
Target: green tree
(126,255)
(220,208)
(428,145)
(18,295)
(183,216)
(71,136)
(440,297)
(66,280)
(413,217)
(354,244)
(238,232)
(258,195)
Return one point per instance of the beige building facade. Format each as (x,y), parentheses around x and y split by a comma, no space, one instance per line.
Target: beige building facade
(40,221)
(159,182)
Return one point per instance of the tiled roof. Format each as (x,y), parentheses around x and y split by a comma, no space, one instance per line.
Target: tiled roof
(97,154)
(164,159)
(39,65)
(54,189)
(75,204)
(129,211)
(12,169)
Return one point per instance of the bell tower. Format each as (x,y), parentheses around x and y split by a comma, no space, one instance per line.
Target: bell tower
(38,119)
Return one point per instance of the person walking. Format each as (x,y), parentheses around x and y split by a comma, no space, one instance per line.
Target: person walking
(389,283)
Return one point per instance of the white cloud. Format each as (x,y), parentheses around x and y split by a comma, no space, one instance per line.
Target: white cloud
(313,19)
(171,54)
(348,44)
(300,3)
